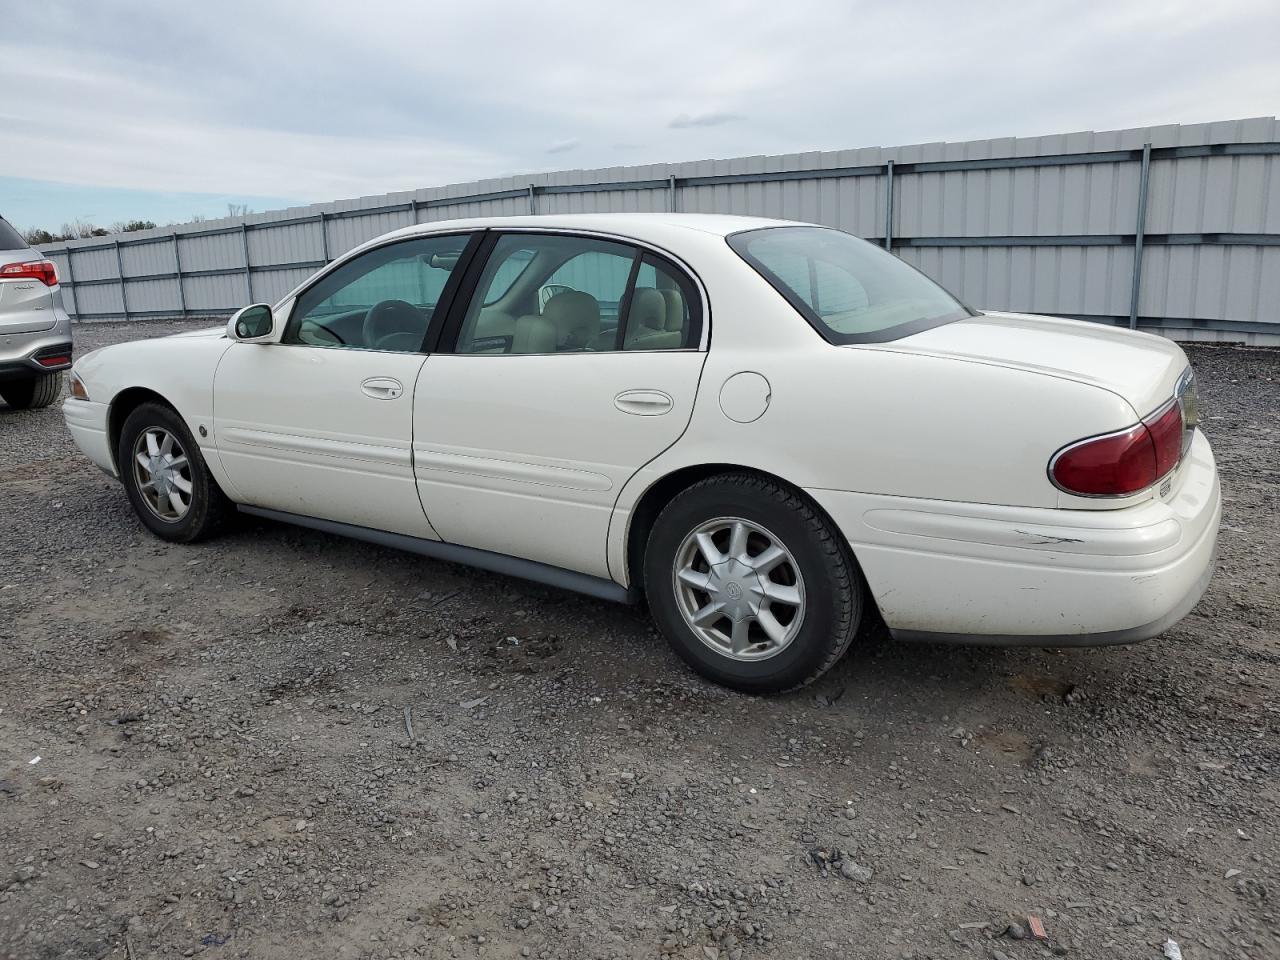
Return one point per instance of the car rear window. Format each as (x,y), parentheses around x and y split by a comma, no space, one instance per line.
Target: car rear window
(10,239)
(851,291)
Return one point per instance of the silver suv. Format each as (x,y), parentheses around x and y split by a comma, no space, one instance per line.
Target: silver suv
(35,331)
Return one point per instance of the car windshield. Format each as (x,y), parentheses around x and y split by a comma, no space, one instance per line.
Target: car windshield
(850,290)
(10,239)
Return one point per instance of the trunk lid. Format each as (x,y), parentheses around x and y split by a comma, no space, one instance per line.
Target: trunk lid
(26,306)
(1142,368)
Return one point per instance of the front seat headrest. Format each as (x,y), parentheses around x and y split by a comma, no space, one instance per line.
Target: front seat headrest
(396,322)
(534,334)
(576,317)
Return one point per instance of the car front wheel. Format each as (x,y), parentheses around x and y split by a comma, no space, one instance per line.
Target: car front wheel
(166,478)
(752,585)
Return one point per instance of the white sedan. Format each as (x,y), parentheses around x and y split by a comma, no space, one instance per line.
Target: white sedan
(772,432)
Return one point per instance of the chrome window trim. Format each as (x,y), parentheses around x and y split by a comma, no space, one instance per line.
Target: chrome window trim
(704,343)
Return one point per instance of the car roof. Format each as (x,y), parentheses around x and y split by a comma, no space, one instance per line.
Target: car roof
(641,226)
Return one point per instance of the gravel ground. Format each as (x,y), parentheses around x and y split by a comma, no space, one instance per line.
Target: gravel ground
(226,768)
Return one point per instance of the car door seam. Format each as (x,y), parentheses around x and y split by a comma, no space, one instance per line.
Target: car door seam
(613,513)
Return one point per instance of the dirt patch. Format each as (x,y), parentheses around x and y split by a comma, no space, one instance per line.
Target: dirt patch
(226,769)
(1041,687)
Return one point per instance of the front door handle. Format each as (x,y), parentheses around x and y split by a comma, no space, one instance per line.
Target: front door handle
(382,388)
(643,403)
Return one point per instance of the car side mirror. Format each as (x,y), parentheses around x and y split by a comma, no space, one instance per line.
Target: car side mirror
(250,323)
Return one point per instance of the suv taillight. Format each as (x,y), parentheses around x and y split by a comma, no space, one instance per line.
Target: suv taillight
(1122,463)
(42,270)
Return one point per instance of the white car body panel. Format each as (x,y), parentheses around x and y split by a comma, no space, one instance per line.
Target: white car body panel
(1140,367)
(928,452)
(180,369)
(295,432)
(934,567)
(534,469)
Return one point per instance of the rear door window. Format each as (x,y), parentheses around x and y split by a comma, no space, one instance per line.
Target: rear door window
(559,293)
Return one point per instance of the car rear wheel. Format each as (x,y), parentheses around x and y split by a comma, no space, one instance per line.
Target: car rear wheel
(37,391)
(166,478)
(753,587)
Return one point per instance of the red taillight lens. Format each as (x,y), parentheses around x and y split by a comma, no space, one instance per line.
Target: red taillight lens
(1121,463)
(1108,466)
(1166,434)
(42,270)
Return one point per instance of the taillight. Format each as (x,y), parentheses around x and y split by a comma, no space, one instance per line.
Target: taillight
(1124,462)
(42,270)
(1166,434)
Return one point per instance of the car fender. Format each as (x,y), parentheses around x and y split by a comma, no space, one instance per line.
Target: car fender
(871,420)
(180,370)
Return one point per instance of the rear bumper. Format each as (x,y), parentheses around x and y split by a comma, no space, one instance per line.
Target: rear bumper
(87,423)
(26,363)
(19,347)
(971,573)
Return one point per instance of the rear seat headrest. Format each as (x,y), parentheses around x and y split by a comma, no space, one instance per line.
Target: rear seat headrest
(648,310)
(675,308)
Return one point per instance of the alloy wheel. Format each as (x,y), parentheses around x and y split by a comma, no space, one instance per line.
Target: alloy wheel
(739,589)
(163,474)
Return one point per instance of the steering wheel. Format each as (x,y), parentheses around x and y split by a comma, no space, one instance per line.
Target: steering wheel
(394,325)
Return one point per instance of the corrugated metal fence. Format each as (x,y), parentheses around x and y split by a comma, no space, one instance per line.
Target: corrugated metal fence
(1175,229)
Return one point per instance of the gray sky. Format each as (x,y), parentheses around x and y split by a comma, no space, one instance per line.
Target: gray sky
(125,108)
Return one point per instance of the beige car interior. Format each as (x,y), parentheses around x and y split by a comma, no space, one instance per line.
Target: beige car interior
(571,320)
(656,321)
(395,325)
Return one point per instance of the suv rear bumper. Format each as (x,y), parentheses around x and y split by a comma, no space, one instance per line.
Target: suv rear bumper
(19,351)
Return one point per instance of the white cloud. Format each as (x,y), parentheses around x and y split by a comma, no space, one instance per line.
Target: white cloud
(278,99)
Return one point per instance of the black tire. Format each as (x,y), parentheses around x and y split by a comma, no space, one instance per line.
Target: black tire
(30,394)
(208,509)
(833,594)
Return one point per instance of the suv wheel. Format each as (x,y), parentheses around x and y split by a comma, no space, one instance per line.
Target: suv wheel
(752,586)
(37,391)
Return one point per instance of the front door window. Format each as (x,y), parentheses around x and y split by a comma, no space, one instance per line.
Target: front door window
(380,300)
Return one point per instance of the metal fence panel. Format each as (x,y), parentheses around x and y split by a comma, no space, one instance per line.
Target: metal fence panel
(1042,224)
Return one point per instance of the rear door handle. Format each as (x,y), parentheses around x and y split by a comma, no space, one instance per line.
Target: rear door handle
(643,403)
(382,388)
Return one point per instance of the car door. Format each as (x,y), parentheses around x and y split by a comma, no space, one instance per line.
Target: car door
(320,423)
(575,360)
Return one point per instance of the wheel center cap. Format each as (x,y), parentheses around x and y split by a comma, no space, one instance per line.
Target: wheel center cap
(737,588)
(159,471)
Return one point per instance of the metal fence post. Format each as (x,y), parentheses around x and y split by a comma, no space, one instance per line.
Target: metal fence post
(533,205)
(124,296)
(71,281)
(888,205)
(177,263)
(324,237)
(248,278)
(671,194)
(1143,180)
